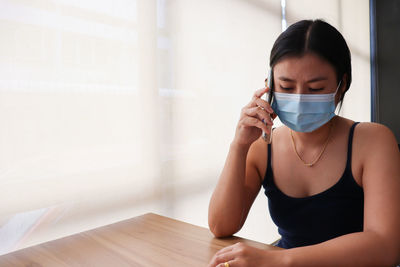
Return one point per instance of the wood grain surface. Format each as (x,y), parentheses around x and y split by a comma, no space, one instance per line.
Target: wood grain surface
(147,240)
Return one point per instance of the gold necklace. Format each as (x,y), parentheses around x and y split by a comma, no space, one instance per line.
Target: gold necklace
(320,154)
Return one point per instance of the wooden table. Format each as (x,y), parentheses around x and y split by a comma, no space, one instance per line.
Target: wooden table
(147,240)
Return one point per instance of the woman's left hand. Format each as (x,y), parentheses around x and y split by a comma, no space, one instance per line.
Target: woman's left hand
(242,255)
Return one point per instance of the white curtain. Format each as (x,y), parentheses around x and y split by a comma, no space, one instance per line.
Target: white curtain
(111,109)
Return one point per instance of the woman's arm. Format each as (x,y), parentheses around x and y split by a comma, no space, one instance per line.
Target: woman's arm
(235,192)
(379,243)
(240,181)
(361,249)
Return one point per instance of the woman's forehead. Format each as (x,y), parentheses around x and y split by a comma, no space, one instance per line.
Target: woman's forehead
(307,66)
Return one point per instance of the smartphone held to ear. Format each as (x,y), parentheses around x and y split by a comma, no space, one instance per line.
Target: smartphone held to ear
(269,97)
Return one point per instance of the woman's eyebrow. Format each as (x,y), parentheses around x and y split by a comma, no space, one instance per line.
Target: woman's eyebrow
(285,79)
(316,79)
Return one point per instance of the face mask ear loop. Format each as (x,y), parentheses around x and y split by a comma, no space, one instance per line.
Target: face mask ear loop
(337,88)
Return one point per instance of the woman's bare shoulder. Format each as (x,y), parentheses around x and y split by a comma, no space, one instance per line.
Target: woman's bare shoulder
(375,140)
(375,133)
(370,132)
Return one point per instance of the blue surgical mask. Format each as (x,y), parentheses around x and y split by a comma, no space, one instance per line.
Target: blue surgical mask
(304,112)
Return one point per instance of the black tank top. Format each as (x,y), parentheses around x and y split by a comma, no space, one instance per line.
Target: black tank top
(336,211)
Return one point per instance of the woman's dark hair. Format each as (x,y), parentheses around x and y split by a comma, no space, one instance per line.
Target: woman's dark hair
(318,37)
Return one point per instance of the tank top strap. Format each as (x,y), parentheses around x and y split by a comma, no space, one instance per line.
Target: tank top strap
(350,145)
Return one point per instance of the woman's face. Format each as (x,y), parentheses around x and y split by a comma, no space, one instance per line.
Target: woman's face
(308,74)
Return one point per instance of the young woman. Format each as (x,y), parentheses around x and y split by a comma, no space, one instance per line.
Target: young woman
(333,185)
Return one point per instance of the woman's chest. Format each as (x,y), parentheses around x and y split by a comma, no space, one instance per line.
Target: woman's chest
(296,179)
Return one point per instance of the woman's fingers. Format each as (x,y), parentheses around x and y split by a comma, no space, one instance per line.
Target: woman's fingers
(225,257)
(222,257)
(218,255)
(233,255)
(255,122)
(230,264)
(264,104)
(256,114)
(225,249)
(257,101)
(260,92)
(260,113)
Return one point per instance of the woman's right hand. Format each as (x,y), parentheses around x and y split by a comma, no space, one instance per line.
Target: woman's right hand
(251,123)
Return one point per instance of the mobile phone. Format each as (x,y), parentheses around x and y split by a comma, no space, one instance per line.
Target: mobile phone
(270,98)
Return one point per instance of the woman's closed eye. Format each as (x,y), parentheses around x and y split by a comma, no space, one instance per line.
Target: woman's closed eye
(316,89)
(311,89)
(286,88)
